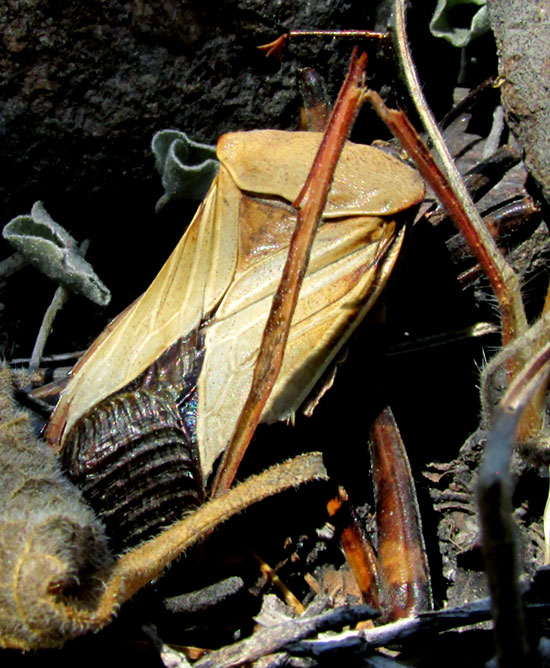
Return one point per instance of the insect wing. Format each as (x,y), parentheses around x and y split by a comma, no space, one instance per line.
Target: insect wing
(351,258)
(172,307)
(348,267)
(275,163)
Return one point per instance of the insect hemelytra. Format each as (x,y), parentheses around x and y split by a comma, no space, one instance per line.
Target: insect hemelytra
(163,385)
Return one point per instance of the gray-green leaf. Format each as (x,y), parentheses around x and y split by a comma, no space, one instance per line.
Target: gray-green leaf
(443,25)
(51,249)
(186,166)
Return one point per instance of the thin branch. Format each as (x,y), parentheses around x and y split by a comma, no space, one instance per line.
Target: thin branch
(310,204)
(494,495)
(60,297)
(12,264)
(274,638)
(58,301)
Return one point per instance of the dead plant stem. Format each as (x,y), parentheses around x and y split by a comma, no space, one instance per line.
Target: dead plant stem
(503,279)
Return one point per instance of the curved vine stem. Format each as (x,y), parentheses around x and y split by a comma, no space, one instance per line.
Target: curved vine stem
(450,189)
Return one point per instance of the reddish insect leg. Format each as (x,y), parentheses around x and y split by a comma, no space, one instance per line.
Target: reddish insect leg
(310,204)
(504,281)
(358,549)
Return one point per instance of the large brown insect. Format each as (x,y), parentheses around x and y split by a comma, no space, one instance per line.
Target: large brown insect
(135,411)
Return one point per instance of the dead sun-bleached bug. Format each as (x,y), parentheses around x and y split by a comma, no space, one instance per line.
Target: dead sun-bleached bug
(212,297)
(58,577)
(164,385)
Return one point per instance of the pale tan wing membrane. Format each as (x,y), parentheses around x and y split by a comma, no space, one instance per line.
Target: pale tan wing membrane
(305,363)
(222,239)
(345,261)
(202,263)
(367,181)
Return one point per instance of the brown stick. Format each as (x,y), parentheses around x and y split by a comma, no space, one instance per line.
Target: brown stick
(311,203)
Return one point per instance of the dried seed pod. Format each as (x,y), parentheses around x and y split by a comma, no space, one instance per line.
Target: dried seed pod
(51,544)
(135,456)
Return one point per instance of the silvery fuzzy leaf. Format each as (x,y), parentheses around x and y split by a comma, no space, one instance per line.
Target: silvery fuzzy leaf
(443,26)
(51,249)
(187,167)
